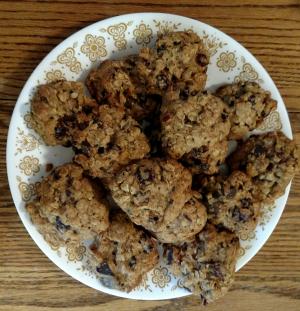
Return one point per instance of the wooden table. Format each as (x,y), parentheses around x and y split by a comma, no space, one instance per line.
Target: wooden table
(28,31)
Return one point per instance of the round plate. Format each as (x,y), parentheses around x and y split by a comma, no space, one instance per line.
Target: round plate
(72,59)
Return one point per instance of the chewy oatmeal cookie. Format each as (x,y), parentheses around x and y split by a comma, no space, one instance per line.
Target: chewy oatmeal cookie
(178,62)
(68,206)
(111,141)
(270,160)
(152,191)
(231,202)
(54,109)
(206,265)
(125,251)
(197,128)
(248,104)
(115,82)
(187,224)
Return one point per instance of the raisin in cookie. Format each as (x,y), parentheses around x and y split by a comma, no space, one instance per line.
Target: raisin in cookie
(206,265)
(125,251)
(178,62)
(197,128)
(270,159)
(68,206)
(54,109)
(114,82)
(231,202)
(186,225)
(248,103)
(111,141)
(152,191)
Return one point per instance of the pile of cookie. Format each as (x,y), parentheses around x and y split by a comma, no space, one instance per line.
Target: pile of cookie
(151,165)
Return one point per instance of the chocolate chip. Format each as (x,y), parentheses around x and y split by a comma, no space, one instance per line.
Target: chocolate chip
(56,175)
(259,149)
(87,109)
(153,219)
(239,215)
(68,193)
(231,193)
(201,59)
(162,82)
(184,94)
(251,99)
(85,147)
(49,167)
(101,150)
(142,98)
(60,226)
(216,194)
(270,167)
(103,268)
(83,125)
(132,262)
(60,132)
(169,256)
(246,202)
(161,48)
(224,116)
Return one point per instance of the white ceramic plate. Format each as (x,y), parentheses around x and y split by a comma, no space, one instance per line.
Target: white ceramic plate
(72,59)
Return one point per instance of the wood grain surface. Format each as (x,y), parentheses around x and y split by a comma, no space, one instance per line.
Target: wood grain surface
(28,31)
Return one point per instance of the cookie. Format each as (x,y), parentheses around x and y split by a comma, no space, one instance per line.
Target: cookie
(187,224)
(248,104)
(231,202)
(271,160)
(68,206)
(152,191)
(196,128)
(114,82)
(206,265)
(111,141)
(178,62)
(54,108)
(125,252)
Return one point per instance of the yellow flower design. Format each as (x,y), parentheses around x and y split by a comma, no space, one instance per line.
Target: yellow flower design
(54,75)
(29,165)
(272,122)
(248,73)
(27,190)
(26,142)
(118,33)
(161,277)
(226,61)
(28,120)
(165,27)
(94,47)
(69,59)
(142,34)
(75,251)
(212,44)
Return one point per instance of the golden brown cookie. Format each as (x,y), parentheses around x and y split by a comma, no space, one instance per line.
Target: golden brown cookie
(68,206)
(125,252)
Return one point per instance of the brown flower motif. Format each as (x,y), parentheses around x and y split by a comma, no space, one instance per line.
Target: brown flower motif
(161,277)
(75,251)
(54,75)
(142,34)
(29,165)
(94,47)
(248,73)
(226,61)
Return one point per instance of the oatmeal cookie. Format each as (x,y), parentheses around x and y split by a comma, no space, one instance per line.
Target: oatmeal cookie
(68,206)
(187,224)
(248,104)
(206,265)
(197,128)
(178,62)
(270,159)
(231,202)
(54,108)
(116,141)
(152,191)
(115,82)
(125,251)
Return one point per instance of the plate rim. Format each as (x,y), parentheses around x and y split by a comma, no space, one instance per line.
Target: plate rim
(10,148)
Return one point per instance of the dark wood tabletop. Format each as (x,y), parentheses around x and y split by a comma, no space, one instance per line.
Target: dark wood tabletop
(28,31)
